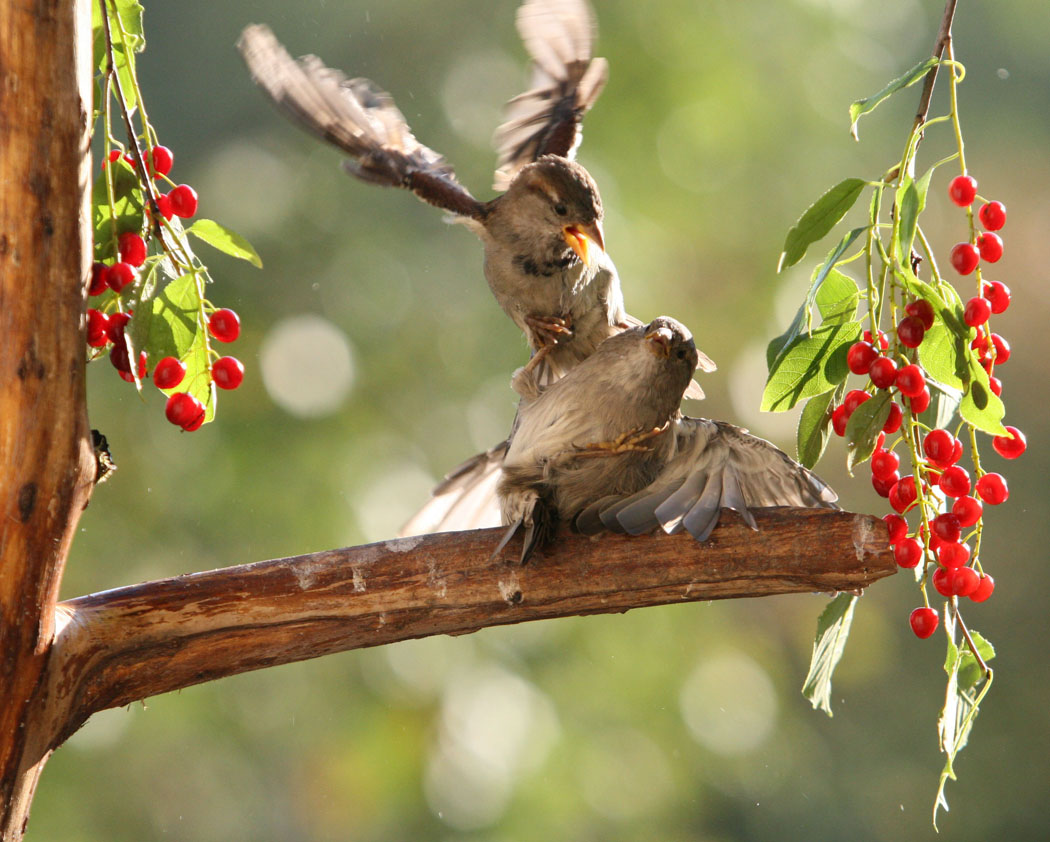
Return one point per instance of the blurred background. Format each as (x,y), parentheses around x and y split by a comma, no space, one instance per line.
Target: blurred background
(376,360)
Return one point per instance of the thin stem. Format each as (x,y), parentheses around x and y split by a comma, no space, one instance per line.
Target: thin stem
(944,34)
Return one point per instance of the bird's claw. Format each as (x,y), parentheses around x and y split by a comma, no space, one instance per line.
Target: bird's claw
(549,329)
(633,441)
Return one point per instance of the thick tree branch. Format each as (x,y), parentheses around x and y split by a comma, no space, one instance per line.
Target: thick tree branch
(944,35)
(123,645)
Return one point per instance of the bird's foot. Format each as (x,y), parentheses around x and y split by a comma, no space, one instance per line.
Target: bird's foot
(633,441)
(548,330)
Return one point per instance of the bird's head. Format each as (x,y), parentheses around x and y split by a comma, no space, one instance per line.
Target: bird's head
(557,198)
(672,344)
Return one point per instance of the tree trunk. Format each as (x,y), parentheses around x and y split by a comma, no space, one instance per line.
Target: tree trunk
(45,449)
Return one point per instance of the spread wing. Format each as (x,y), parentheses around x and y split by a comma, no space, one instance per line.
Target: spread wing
(357,117)
(717,466)
(566,81)
(464,499)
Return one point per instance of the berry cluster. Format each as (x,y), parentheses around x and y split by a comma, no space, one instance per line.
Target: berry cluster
(946,499)
(120,269)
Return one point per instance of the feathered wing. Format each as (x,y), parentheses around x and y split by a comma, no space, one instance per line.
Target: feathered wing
(356,116)
(717,466)
(464,499)
(566,81)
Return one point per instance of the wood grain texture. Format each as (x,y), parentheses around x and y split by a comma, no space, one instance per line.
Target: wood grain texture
(45,450)
(122,645)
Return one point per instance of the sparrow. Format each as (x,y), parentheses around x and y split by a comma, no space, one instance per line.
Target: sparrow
(545,258)
(606,448)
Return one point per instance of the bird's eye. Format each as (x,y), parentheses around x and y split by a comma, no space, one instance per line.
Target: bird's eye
(560,209)
(681,353)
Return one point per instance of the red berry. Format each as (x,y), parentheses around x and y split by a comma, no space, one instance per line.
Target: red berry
(992,215)
(195,424)
(884,341)
(920,403)
(940,581)
(113,155)
(922,310)
(98,283)
(164,206)
(965,257)
(903,494)
(839,420)
(884,486)
(119,275)
(977,311)
(169,373)
(946,527)
(893,420)
(884,463)
(132,248)
(992,489)
(963,190)
(924,622)
(227,372)
(984,588)
(998,295)
(225,325)
(860,357)
(183,409)
(907,553)
(955,482)
(967,509)
(854,398)
(990,246)
(183,201)
(883,372)
(910,331)
(996,385)
(939,446)
(96,328)
(897,526)
(953,554)
(911,381)
(118,356)
(115,326)
(1011,446)
(126,375)
(1002,349)
(957,452)
(963,581)
(163,159)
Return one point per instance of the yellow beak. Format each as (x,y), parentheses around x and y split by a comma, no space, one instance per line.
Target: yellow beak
(660,341)
(585,240)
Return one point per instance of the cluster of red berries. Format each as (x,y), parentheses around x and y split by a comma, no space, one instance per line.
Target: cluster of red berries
(939,533)
(183,409)
(986,245)
(182,200)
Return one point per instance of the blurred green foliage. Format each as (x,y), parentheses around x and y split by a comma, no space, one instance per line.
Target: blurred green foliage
(720,123)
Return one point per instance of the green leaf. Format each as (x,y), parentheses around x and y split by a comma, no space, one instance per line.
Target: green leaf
(814,425)
(908,204)
(961,703)
(832,631)
(864,427)
(980,406)
(802,317)
(944,403)
(127,208)
(809,366)
(819,219)
(837,298)
(869,104)
(943,355)
(220,237)
(128,19)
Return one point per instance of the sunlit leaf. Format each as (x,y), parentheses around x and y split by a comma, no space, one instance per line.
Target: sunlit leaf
(864,427)
(865,106)
(832,631)
(814,426)
(943,355)
(809,366)
(819,219)
(220,237)
(837,298)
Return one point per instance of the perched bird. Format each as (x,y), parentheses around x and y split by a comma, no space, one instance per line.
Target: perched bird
(545,258)
(606,448)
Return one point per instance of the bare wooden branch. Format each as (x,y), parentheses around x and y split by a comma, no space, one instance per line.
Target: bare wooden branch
(126,644)
(944,35)
(45,449)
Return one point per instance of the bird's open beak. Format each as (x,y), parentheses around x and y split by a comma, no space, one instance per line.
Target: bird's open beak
(660,341)
(585,240)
